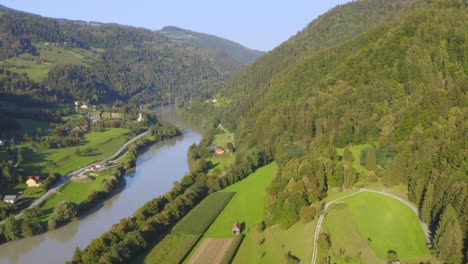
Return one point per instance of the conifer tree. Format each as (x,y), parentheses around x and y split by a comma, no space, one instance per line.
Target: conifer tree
(347,155)
(371,159)
(427,204)
(449,237)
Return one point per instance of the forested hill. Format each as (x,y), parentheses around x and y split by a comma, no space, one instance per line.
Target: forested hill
(201,40)
(95,62)
(395,85)
(339,24)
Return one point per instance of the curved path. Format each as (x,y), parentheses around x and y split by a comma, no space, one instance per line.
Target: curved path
(322,214)
(75,173)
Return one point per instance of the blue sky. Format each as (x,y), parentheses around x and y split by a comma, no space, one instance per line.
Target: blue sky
(259,24)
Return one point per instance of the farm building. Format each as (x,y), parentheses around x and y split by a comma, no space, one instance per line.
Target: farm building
(33,181)
(236,228)
(101,165)
(219,151)
(10,199)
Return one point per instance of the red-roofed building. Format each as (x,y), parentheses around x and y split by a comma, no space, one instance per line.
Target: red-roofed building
(33,181)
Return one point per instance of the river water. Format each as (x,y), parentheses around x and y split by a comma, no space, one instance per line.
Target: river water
(157,168)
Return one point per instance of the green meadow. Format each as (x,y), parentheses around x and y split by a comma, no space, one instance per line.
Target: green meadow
(96,146)
(222,161)
(247,205)
(365,227)
(73,191)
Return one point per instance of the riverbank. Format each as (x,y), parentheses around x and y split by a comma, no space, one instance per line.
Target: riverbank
(45,218)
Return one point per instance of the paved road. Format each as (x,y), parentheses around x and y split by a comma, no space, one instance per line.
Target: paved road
(318,228)
(77,172)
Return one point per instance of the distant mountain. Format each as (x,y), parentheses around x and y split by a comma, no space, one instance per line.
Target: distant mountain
(99,62)
(206,41)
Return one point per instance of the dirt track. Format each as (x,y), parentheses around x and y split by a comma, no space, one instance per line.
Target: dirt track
(211,251)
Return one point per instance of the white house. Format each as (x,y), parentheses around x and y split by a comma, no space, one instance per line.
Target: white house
(10,199)
(140,117)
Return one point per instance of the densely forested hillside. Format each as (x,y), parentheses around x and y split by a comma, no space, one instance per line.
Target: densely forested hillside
(75,60)
(224,50)
(389,77)
(339,24)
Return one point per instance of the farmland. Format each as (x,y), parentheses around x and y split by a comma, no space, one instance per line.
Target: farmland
(359,230)
(270,245)
(220,162)
(73,191)
(97,146)
(247,205)
(172,249)
(211,250)
(175,246)
(38,66)
(199,218)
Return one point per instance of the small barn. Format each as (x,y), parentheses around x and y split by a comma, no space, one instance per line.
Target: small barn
(236,228)
(10,199)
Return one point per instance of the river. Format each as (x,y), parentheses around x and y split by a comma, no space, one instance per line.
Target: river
(157,168)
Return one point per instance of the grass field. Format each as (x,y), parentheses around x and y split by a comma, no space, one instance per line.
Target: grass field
(172,249)
(72,191)
(356,151)
(221,162)
(247,207)
(97,146)
(185,234)
(373,224)
(201,217)
(37,67)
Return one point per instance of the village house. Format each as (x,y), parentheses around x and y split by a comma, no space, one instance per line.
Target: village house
(236,228)
(212,147)
(101,165)
(10,199)
(33,181)
(219,151)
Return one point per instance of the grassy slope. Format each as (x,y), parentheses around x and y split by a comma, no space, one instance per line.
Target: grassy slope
(171,250)
(187,231)
(221,162)
(345,235)
(374,213)
(37,67)
(370,215)
(356,151)
(97,146)
(72,191)
(247,206)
